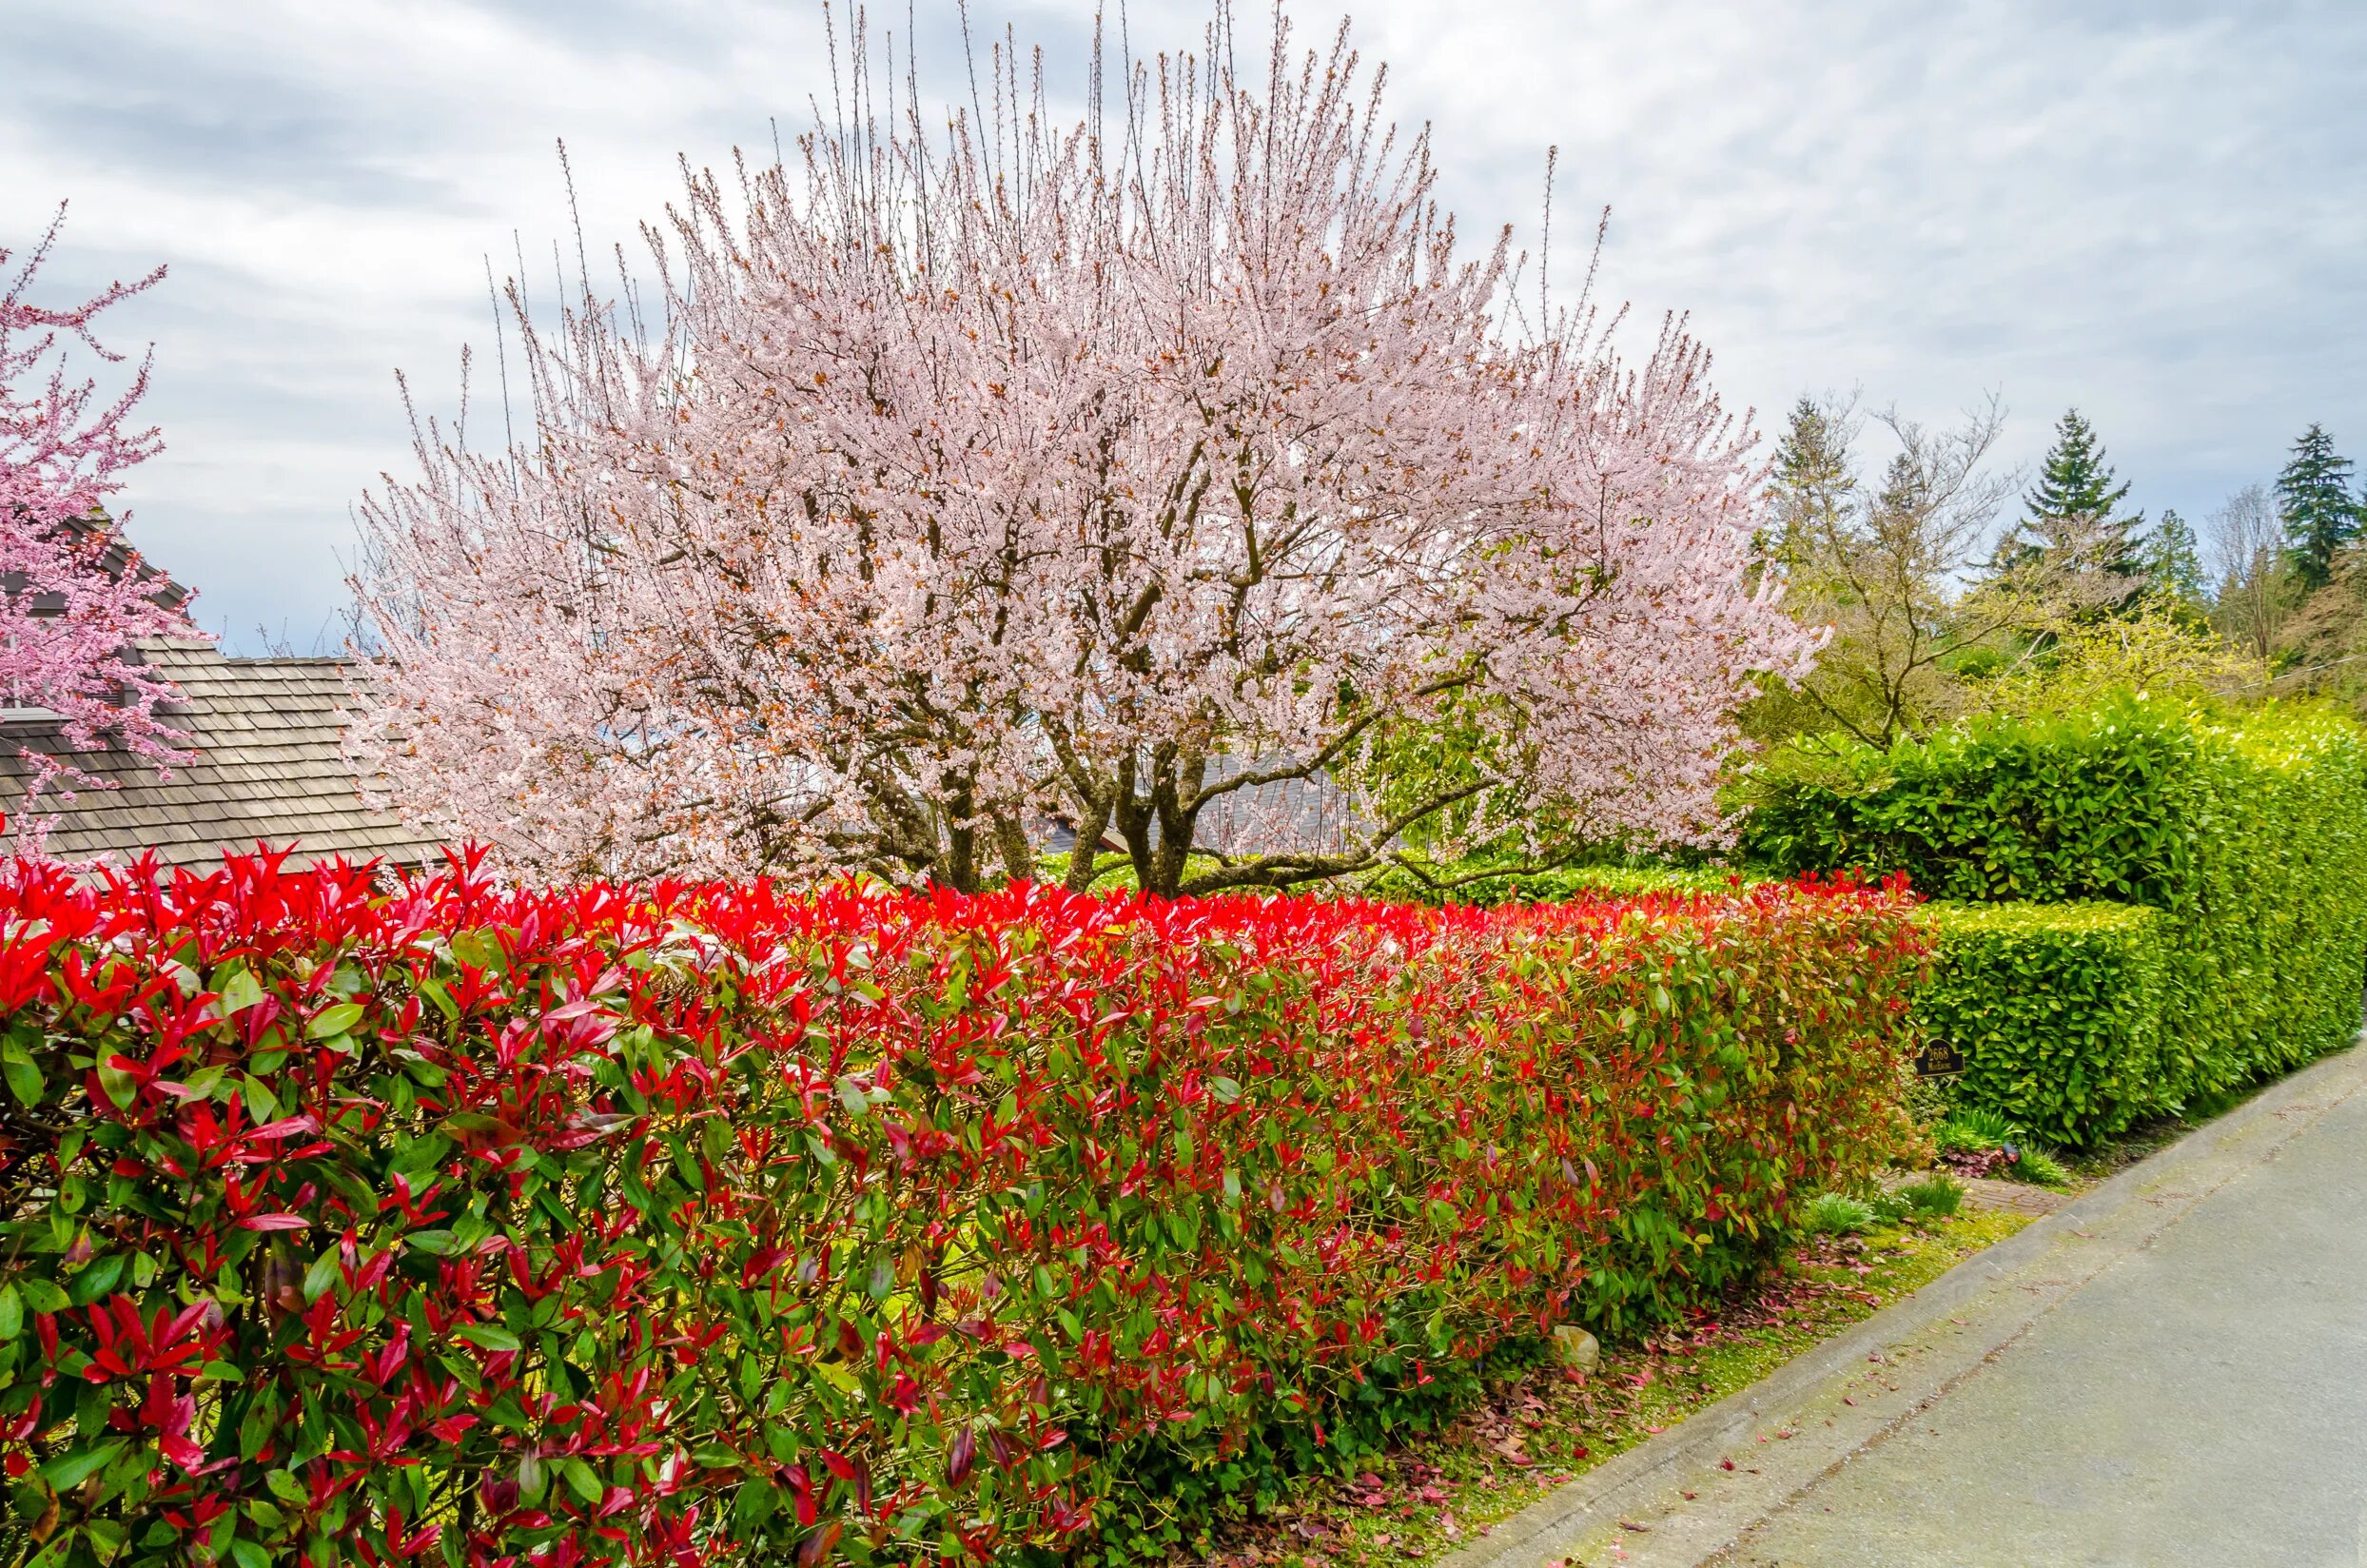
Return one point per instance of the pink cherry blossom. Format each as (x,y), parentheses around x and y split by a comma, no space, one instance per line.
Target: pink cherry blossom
(953,485)
(73,596)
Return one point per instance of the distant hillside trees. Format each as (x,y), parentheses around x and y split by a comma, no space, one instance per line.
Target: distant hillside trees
(1909,576)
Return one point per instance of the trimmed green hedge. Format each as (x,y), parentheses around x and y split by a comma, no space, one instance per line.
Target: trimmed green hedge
(1561,884)
(2250,835)
(2098,805)
(2057,1008)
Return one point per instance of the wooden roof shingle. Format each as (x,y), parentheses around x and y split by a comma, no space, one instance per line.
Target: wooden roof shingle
(270,769)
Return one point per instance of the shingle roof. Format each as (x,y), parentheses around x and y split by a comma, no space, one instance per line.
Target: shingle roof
(270,767)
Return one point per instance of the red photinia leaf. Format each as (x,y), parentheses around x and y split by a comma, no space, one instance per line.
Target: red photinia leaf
(958,1455)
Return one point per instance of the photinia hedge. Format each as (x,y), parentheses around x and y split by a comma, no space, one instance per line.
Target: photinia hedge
(349,1221)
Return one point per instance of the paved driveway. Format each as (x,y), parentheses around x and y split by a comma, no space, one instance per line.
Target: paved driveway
(2204,1402)
(2169,1372)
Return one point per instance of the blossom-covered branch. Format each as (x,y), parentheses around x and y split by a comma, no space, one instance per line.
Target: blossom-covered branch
(74,594)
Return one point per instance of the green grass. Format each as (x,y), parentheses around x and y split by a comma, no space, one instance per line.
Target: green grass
(1541,1429)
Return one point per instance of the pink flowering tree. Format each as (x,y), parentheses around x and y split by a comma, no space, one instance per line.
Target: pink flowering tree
(1156,481)
(73,596)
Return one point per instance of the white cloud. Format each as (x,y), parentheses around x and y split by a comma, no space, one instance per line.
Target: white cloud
(2152,209)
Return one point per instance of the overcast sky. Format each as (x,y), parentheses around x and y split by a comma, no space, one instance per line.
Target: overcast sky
(2155,209)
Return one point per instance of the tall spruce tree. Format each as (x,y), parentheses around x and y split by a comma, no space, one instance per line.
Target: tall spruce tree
(2074,510)
(2075,481)
(1814,482)
(2314,499)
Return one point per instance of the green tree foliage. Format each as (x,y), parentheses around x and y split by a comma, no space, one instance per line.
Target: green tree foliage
(1885,568)
(1881,568)
(2314,499)
(2154,647)
(2172,564)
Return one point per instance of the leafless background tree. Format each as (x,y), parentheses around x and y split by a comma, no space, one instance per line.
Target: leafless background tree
(2244,541)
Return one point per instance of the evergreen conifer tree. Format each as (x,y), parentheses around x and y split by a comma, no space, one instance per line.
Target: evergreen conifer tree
(2075,480)
(2072,522)
(2314,499)
(1814,482)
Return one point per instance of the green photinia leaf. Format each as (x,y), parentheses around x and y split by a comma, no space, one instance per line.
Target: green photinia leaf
(334,1020)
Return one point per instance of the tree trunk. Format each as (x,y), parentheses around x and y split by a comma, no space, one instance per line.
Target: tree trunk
(1092,823)
(1010,842)
(961,856)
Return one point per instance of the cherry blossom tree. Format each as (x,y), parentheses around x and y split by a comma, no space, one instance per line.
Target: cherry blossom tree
(74,594)
(1142,480)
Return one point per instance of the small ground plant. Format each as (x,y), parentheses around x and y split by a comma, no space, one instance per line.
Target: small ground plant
(1837,1214)
(1933,1195)
(2038,1167)
(1970,1129)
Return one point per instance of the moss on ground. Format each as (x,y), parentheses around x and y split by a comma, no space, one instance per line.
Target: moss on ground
(1541,1427)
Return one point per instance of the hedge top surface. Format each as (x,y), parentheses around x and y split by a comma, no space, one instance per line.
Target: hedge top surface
(2090,805)
(2114,802)
(1947,919)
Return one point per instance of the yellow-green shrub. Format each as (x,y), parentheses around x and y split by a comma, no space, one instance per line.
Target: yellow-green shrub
(2248,833)
(2057,1009)
(1475,882)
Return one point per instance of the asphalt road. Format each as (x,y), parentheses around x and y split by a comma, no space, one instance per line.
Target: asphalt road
(2168,1372)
